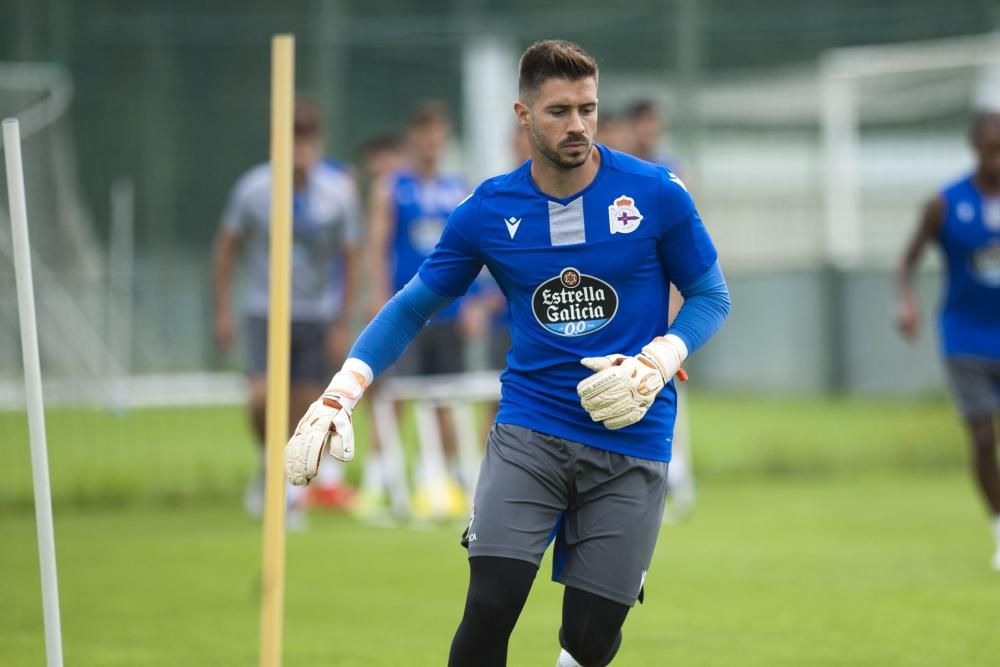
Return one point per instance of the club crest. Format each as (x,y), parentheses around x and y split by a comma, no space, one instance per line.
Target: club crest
(624,216)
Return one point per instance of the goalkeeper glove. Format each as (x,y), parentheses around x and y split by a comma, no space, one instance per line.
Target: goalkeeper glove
(327,424)
(622,388)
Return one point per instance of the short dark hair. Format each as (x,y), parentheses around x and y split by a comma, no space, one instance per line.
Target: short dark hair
(388,141)
(640,108)
(308,119)
(981,120)
(553,59)
(428,112)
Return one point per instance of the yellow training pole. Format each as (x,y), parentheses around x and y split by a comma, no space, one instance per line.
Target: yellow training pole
(278,325)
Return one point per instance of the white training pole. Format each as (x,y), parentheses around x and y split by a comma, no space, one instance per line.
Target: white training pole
(33,390)
(121,271)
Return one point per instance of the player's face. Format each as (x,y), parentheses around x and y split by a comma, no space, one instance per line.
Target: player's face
(429,140)
(561,120)
(615,135)
(647,129)
(381,162)
(307,151)
(987,146)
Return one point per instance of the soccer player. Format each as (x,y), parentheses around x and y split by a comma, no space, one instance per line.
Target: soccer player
(584,242)
(964,220)
(381,155)
(408,212)
(647,128)
(326,231)
(613,132)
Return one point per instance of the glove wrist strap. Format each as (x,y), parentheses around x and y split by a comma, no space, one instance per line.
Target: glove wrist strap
(663,350)
(349,384)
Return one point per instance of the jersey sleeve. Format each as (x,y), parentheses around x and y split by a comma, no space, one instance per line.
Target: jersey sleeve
(684,247)
(234,217)
(456,261)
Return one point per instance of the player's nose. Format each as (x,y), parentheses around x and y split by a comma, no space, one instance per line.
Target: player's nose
(576,125)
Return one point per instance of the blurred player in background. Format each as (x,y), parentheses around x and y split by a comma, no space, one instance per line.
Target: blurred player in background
(646,129)
(613,132)
(326,231)
(584,242)
(382,155)
(964,220)
(408,211)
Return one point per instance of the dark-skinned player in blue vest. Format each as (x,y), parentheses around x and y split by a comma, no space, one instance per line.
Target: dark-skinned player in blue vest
(964,221)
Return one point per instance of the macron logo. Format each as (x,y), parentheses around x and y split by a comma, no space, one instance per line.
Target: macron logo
(512,225)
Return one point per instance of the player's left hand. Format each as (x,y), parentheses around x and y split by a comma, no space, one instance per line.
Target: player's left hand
(622,388)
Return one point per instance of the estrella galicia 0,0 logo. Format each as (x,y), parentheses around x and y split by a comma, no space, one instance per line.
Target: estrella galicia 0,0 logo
(573,303)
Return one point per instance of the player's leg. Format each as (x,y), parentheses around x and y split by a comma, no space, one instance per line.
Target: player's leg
(255,342)
(975,385)
(498,588)
(590,635)
(520,497)
(257,405)
(605,546)
(311,370)
(982,435)
(445,355)
(680,476)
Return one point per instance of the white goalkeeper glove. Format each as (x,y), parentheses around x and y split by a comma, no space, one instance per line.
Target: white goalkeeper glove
(327,424)
(622,388)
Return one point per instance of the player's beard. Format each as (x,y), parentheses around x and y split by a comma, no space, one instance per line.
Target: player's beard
(553,155)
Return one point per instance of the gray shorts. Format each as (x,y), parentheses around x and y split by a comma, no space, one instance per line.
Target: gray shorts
(437,350)
(602,509)
(975,385)
(308,362)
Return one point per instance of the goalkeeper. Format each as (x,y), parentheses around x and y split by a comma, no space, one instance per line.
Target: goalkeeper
(584,242)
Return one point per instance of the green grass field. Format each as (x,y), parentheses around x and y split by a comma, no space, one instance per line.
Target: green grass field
(827,533)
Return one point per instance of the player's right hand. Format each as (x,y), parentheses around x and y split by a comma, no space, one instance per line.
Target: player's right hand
(908,318)
(325,426)
(225,330)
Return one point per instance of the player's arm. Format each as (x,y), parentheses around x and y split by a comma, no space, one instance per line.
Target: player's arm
(444,276)
(927,229)
(623,387)
(380,224)
(327,422)
(224,255)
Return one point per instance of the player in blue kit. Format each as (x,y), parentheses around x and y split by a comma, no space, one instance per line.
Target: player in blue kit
(583,241)
(964,219)
(409,209)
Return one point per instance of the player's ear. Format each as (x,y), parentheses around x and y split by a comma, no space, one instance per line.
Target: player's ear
(522,112)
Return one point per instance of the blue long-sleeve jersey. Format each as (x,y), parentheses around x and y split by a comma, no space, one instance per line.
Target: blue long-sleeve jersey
(585,276)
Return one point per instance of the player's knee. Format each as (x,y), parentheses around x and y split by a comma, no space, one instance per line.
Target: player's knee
(497,590)
(591,629)
(983,436)
(490,610)
(591,647)
(258,393)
